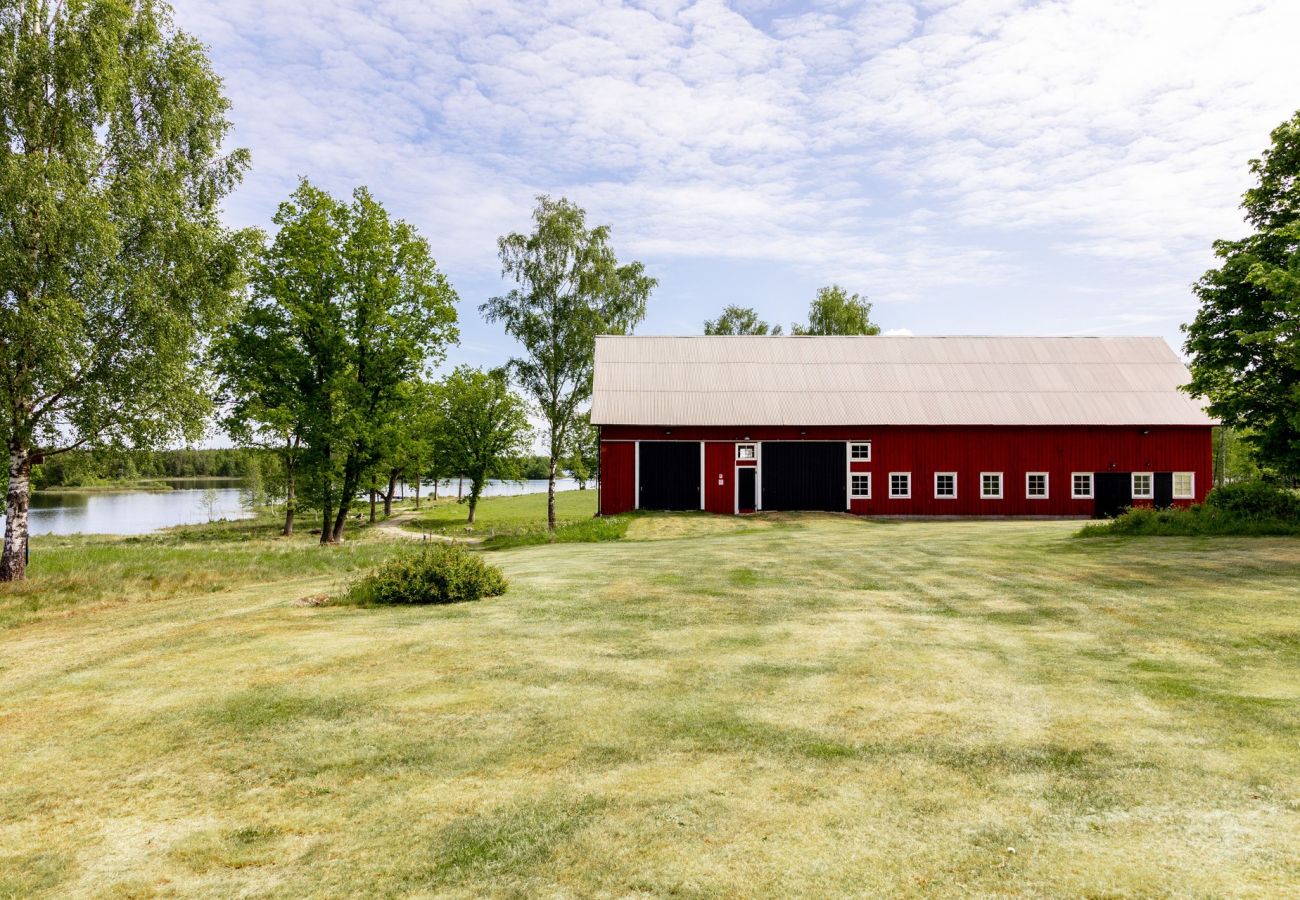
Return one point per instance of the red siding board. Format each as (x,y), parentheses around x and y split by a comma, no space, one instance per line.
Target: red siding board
(617,477)
(968,451)
(720,477)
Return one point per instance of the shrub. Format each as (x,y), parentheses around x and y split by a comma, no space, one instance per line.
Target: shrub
(443,573)
(1255,500)
(1247,508)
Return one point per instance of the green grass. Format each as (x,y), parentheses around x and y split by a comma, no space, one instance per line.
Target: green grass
(504,516)
(781,705)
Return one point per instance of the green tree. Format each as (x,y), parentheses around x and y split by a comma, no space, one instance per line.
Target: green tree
(113,262)
(355,308)
(571,288)
(582,456)
(483,427)
(739,320)
(1244,343)
(836,311)
(265,373)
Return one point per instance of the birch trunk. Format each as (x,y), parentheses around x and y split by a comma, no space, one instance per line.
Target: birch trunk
(13,564)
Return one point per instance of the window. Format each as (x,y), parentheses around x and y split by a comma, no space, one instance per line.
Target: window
(1141,485)
(990,485)
(945,485)
(900,485)
(860,451)
(1081,485)
(744,451)
(1184,485)
(1036,485)
(861,486)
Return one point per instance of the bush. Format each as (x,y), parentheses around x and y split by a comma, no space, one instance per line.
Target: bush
(443,573)
(1246,508)
(1255,500)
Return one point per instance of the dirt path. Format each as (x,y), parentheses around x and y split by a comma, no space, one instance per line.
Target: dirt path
(392,528)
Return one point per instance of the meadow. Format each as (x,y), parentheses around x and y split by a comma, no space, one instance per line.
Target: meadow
(802,705)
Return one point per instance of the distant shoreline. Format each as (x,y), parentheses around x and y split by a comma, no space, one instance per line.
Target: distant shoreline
(152,485)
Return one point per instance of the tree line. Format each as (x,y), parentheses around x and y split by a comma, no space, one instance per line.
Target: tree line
(130,314)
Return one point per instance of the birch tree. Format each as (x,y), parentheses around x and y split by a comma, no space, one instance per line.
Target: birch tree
(114,266)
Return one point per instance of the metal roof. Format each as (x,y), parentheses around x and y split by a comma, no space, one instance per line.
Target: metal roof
(752,380)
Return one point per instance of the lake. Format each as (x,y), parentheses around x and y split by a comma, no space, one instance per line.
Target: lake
(139,512)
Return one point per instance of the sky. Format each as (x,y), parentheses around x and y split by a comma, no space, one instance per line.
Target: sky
(972,167)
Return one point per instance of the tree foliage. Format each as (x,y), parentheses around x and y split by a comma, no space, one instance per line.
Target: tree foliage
(571,288)
(114,265)
(347,307)
(1245,340)
(739,320)
(836,311)
(582,454)
(482,428)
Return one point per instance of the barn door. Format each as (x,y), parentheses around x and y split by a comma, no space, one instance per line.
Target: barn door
(745,495)
(805,475)
(670,475)
(1113,493)
(1164,490)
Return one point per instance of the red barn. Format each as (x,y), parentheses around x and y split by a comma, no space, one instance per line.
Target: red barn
(916,426)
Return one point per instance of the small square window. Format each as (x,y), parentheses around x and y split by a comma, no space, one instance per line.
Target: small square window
(945,485)
(861,485)
(1184,485)
(991,485)
(1142,486)
(900,485)
(1081,485)
(1036,485)
(860,451)
(744,451)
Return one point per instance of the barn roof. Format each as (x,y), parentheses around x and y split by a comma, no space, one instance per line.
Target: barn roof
(890,381)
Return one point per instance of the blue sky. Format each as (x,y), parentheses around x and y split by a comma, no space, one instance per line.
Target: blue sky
(974,167)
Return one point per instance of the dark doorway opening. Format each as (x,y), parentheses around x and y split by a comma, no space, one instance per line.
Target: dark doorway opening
(805,475)
(1164,490)
(1113,493)
(745,496)
(670,475)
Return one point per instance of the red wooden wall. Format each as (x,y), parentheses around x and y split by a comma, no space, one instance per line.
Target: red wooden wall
(968,451)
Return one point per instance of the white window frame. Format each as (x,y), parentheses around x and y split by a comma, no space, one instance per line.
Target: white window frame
(1074,490)
(1002,484)
(1047,486)
(753,452)
(853,494)
(939,496)
(853,448)
(1191,489)
(908,495)
(1151,485)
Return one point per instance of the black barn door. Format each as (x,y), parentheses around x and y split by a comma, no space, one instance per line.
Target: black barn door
(804,475)
(1113,492)
(1164,489)
(670,475)
(745,488)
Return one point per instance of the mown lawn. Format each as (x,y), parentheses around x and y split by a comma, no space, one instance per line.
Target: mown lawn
(786,705)
(503,515)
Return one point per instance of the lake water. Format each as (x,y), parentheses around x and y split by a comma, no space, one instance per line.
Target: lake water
(138,512)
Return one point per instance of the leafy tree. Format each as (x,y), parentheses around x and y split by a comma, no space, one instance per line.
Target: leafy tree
(739,320)
(483,427)
(571,288)
(836,311)
(1245,340)
(264,373)
(582,456)
(113,262)
(352,309)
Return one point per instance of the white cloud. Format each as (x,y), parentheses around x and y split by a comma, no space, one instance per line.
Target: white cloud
(903,148)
